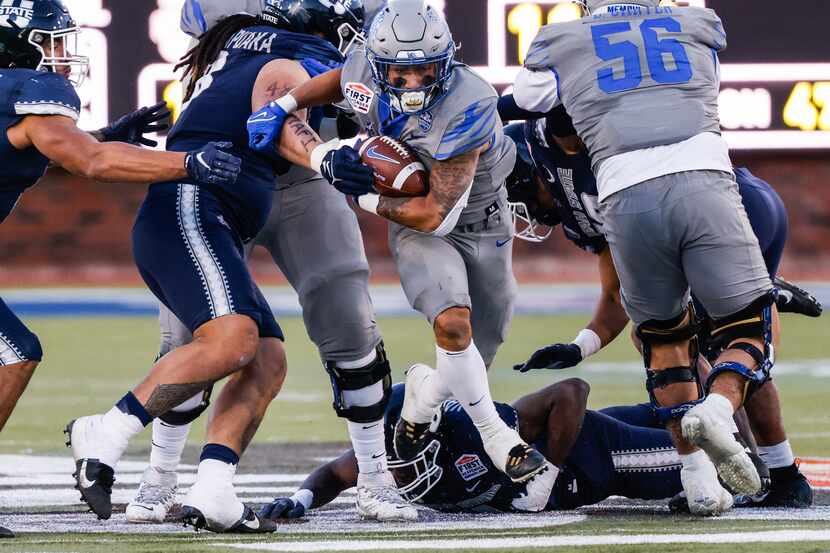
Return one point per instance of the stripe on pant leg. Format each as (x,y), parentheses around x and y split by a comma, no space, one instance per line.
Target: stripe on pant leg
(214,281)
(9,354)
(646,460)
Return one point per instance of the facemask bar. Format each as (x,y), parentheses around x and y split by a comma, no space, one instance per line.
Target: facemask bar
(427,472)
(428,94)
(525,227)
(350,38)
(68,40)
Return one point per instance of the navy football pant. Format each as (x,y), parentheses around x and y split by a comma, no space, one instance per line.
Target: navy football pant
(611,457)
(17,343)
(192,260)
(767,216)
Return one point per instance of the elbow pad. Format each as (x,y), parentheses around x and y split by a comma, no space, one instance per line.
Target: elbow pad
(451,219)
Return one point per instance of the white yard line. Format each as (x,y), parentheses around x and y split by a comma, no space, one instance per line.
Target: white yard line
(784,536)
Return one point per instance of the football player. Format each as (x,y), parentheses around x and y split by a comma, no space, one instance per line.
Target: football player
(38,70)
(452,247)
(188,245)
(554,183)
(593,456)
(641,83)
(313,236)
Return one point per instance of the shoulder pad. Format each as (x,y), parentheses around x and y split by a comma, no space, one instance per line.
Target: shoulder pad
(47,94)
(469,114)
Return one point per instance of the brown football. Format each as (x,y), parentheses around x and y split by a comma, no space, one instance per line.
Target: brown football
(398,171)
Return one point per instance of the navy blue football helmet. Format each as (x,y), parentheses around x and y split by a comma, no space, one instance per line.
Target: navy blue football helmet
(417,476)
(531,223)
(40,35)
(339,21)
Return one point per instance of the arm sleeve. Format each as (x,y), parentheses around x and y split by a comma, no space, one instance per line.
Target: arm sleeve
(537,90)
(48,94)
(470,129)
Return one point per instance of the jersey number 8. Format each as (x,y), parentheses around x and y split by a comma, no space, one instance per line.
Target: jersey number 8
(630,54)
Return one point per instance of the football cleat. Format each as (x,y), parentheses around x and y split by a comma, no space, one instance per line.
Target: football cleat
(156,497)
(537,490)
(6,533)
(792,491)
(701,426)
(792,299)
(93,478)
(214,506)
(378,499)
(411,438)
(512,456)
(249,523)
(704,496)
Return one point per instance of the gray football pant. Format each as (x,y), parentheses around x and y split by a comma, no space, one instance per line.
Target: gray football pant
(313,237)
(462,269)
(680,230)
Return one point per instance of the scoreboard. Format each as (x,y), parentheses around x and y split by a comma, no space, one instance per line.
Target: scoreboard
(775,73)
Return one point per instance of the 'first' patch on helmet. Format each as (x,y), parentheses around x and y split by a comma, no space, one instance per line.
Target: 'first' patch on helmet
(469,466)
(16,12)
(359,96)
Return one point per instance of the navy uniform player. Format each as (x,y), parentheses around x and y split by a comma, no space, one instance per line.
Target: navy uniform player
(551,184)
(188,245)
(641,83)
(313,236)
(452,247)
(595,456)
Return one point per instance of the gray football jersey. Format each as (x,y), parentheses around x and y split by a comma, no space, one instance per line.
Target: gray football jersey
(635,78)
(464,119)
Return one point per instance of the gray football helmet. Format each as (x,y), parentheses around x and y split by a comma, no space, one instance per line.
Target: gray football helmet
(410,33)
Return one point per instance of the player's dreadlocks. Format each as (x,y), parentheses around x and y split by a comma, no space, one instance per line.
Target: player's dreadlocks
(197,60)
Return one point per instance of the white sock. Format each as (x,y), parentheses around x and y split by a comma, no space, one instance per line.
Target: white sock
(777,456)
(118,428)
(168,444)
(369,444)
(465,374)
(214,470)
(721,405)
(696,461)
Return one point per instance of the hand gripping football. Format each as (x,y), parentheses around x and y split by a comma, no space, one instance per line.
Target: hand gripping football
(398,172)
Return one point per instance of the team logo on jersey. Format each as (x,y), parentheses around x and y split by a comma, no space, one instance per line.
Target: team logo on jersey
(359,96)
(469,466)
(425,121)
(16,12)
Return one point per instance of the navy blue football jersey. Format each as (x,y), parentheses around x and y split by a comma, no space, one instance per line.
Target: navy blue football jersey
(220,107)
(571,182)
(26,92)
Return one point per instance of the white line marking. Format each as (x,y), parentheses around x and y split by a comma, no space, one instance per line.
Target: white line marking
(544,541)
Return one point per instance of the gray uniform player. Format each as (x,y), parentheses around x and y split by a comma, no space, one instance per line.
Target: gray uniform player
(641,84)
(453,246)
(315,241)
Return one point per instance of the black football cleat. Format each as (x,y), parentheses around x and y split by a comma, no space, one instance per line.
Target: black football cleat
(523,463)
(6,533)
(250,523)
(789,488)
(94,480)
(792,299)
(411,438)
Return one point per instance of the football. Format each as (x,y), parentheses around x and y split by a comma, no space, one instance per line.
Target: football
(398,171)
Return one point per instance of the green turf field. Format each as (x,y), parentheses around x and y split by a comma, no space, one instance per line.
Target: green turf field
(89,363)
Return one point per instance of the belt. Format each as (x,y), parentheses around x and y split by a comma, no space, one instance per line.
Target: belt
(492,217)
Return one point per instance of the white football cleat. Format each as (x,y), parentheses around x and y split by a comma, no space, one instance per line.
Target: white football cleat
(511,455)
(378,498)
(93,477)
(537,490)
(214,506)
(705,427)
(705,495)
(156,496)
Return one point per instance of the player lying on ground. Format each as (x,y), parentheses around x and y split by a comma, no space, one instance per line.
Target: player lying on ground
(188,244)
(39,109)
(552,185)
(594,456)
(452,247)
(313,237)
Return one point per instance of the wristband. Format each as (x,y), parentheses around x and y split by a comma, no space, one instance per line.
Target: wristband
(288,103)
(588,341)
(304,497)
(369,202)
(320,151)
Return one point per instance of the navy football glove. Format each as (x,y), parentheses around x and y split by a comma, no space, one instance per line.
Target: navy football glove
(265,127)
(346,172)
(554,356)
(282,507)
(132,127)
(210,164)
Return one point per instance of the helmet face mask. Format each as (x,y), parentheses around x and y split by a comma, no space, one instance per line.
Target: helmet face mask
(416,477)
(58,55)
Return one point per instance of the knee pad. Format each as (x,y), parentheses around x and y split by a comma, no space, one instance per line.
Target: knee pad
(356,379)
(186,416)
(753,321)
(678,329)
